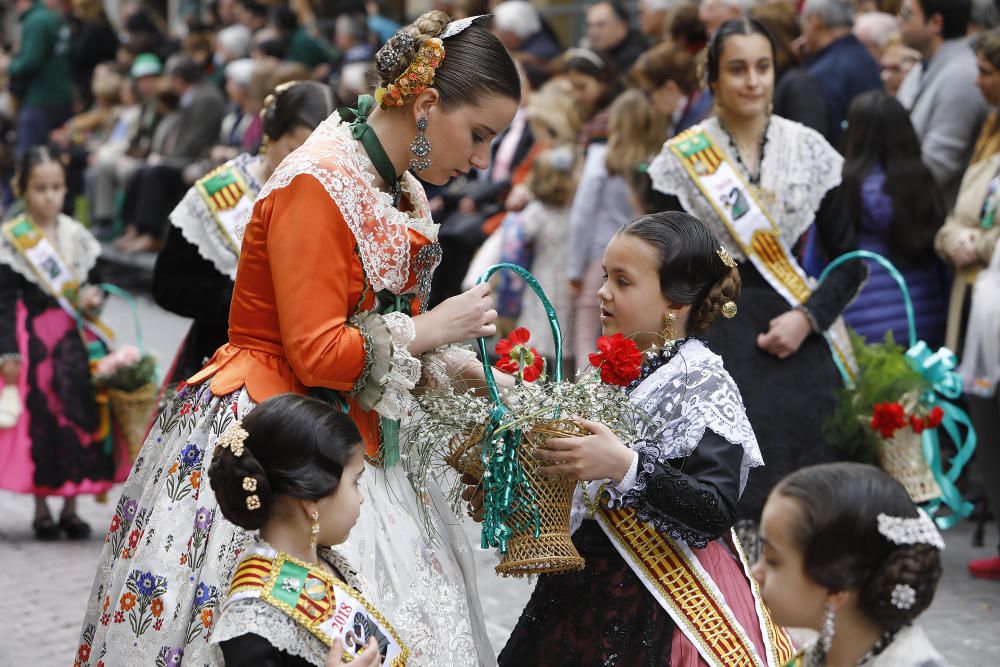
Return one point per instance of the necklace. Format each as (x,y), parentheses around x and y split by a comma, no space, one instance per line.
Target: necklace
(363,132)
(753,178)
(816,656)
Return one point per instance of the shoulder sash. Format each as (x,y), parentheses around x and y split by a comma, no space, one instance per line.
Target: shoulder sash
(53,273)
(229,200)
(676,579)
(751,226)
(323,605)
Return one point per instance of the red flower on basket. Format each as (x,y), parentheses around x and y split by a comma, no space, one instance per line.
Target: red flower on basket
(518,358)
(618,359)
(887,418)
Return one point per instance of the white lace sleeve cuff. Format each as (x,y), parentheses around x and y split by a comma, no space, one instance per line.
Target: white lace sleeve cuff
(443,364)
(390,371)
(628,481)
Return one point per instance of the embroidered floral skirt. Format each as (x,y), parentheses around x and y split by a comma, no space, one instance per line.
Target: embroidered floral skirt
(169,554)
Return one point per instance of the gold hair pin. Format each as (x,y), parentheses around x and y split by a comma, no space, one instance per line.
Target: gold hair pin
(249,484)
(729,310)
(727,259)
(233,438)
(253,502)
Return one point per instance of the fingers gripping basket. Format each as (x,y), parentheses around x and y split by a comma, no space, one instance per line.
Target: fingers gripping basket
(526,514)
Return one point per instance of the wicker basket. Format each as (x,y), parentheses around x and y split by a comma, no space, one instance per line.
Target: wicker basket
(465,453)
(132,410)
(902,456)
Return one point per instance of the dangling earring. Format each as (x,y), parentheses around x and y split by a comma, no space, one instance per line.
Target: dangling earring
(420,147)
(825,640)
(314,531)
(669,330)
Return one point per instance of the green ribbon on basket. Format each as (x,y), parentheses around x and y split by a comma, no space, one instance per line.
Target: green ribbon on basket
(938,369)
(506,488)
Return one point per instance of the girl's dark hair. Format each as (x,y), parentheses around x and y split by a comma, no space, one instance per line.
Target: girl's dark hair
(842,547)
(476,64)
(880,134)
(666,62)
(606,73)
(34,156)
(691,271)
(297,446)
(739,26)
(294,105)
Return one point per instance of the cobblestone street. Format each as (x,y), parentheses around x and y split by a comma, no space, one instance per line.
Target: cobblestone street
(45,585)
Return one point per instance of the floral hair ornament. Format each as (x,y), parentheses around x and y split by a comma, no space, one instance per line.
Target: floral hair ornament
(417,77)
(233,438)
(903,596)
(910,530)
(726,258)
(249,484)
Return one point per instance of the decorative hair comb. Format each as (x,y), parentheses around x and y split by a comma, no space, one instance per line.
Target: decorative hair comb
(910,530)
(233,438)
(455,27)
(726,258)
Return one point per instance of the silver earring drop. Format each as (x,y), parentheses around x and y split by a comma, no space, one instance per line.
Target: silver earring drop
(420,147)
(826,634)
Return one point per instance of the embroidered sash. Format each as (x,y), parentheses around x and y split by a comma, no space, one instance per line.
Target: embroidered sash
(751,226)
(54,275)
(676,579)
(323,605)
(229,200)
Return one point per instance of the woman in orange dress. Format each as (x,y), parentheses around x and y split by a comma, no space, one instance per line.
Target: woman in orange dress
(335,267)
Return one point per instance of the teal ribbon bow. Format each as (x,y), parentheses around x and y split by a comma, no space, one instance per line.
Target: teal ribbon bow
(392,303)
(363,132)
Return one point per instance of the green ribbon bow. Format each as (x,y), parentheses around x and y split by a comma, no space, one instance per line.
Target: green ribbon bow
(363,132)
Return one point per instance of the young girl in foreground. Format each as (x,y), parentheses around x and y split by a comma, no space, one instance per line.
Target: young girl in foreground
(291,471)
(665,582)
(848,554)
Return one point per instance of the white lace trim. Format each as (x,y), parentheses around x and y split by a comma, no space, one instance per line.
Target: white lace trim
(442,364)
(691,393)
(335,159)
(196,222)
(404,369)
(74,242)
(254,616)
(799,168)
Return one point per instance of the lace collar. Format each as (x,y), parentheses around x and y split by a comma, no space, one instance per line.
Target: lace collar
(797,170)
(74,243)
(335,159)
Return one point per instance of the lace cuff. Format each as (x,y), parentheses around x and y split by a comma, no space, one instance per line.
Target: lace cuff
(442,364)
(628,481)
(390,372)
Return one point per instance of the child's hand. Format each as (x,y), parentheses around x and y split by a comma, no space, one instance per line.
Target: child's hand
(370,657)
(11,371)
(600,455)
(786,334)
(90,298)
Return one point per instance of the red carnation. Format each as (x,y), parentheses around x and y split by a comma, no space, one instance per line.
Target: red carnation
(618,358)
(917,423)
(887,418)
(518,358)
(935,417)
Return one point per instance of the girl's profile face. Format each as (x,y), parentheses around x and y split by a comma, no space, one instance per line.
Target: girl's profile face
(746,75)
(793,598)
(339,511)
(586,90)
(631,301)
(46,191)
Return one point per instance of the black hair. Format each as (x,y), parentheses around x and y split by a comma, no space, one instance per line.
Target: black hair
(185,68)
(33,157)
(296,446)
(880,134)
(284,19)
(294,105)
(738,26)
(606,73)
(476,64)
(258,9)
(841,544)
(691,271)
(955,15)
(617,8)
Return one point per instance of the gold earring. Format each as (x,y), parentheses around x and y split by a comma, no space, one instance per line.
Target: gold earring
(314,531)
(669,331)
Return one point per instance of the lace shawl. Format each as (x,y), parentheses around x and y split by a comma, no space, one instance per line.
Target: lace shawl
(75,244)
(335,159)
(255,616)
(197,223)
(798,168)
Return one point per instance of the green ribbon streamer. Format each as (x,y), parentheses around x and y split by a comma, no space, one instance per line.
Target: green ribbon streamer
(363,132)
(938,369)
(505,486)
(392,303)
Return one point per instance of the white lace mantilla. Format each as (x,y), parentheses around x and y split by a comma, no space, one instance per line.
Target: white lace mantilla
(799,167)
(197,223)
(335,159)
(691,393)
(74,243)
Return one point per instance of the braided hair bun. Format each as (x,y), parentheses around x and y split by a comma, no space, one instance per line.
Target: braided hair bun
(401,50)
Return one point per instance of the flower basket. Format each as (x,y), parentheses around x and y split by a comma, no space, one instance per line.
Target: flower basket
(132,410)
(893,412)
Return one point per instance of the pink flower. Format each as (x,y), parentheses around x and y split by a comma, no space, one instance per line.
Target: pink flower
(129,354)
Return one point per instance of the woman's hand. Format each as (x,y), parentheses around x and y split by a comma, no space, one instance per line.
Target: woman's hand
(463,317)
(11,371)
(600,455)
(473,496)
(519,197)
(786,334)
(90,298)
(370,657)
(963,253)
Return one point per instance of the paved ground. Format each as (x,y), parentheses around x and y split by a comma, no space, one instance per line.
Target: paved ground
(43,587)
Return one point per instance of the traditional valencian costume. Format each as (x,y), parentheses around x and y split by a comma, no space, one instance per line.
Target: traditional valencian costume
(330,272)
(665,580)
(281,610)
(759,220)
(63,443)
(196,269)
